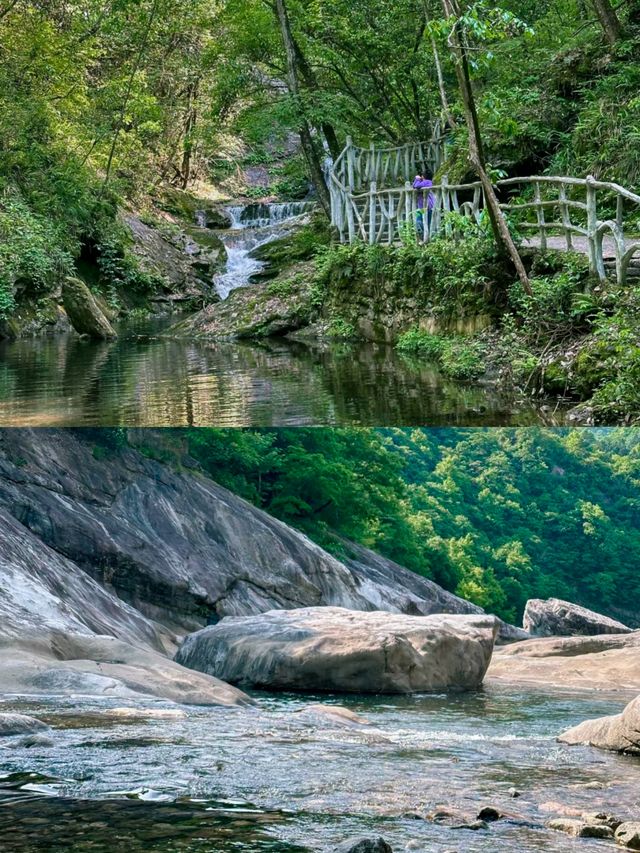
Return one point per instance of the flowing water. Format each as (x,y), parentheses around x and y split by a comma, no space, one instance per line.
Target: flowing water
(146,379)
(254,225)
(269,779)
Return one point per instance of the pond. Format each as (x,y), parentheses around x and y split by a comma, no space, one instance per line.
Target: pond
(270,779)
(146,379)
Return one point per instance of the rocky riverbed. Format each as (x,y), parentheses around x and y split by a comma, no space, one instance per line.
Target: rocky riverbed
(426,772)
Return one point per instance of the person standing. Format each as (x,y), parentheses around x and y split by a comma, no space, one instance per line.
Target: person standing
(422,182)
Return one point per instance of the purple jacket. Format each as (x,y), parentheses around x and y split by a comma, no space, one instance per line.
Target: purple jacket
(420,184)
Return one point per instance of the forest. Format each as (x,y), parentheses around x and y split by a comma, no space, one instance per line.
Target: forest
(496,515)
(108,107)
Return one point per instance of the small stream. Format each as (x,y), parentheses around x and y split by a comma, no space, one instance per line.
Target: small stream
(254,225)
(267,779)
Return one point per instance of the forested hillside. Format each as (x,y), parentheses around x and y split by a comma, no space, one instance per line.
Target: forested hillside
(496,515)
(102,102)
(115,107)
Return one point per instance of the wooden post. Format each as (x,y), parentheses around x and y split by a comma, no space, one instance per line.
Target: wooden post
(408,190)
(350,157)
(351,225)
(407,164)
(620,212)
(566,217)
(372,213)
(540,216)
(372,162)
(596,263)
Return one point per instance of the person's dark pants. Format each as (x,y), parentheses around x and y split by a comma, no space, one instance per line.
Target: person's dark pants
(420,221)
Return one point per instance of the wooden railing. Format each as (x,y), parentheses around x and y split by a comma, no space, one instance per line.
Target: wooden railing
(562,207)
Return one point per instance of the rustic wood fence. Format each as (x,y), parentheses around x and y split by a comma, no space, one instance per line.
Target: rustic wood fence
(370,203)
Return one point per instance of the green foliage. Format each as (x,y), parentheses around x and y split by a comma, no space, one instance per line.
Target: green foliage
(458,357)
(341,328)
(497,515)
(32,253)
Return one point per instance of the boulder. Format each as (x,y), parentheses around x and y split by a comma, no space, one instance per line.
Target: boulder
(85,315)
(628,835)
(606,662)
(618,733)
(581,828)
(64,663)
(556,618)
(332,648)
(19,724)
(260,311)
(365,845)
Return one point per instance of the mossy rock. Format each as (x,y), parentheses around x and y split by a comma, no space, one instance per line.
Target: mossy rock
(555,378)
(591,367)
(85,315)
(300,245)
(258,311)
(185,206)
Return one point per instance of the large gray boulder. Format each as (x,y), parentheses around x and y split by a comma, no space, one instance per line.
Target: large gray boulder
(618,733)
(335,649)
(556,618)
(85,315)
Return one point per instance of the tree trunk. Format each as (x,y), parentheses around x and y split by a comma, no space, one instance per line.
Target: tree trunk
(306,134)
(311,83)
(189,126)
(609,20)
(501,232)
(444,100)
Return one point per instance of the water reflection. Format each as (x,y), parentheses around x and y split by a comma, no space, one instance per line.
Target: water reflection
(146,379)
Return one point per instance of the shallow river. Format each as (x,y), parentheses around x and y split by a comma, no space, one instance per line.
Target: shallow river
(145,379)
(267,780)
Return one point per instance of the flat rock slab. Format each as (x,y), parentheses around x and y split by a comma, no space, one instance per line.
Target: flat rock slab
(335,649)
(605,662)
(556,618)
(64,664)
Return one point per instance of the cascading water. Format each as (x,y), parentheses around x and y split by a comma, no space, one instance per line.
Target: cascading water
(253,225)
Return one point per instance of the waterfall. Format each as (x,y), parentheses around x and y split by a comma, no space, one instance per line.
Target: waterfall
(253,225)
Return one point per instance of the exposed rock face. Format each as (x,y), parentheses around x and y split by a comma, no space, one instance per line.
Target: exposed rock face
(19,724)
(59,662)
(259,311)
(120,544)
(185,261)
(85,315)
(619,733)
(331,648)
(607,662)
(557,618)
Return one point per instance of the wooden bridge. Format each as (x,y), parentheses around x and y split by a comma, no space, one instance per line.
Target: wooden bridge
(372,199)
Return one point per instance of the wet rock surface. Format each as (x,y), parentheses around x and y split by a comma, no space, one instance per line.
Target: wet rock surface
(334,649)
(185,261)
(19,724)
(62,663)
(617,733)
(556,618)
(259,311)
